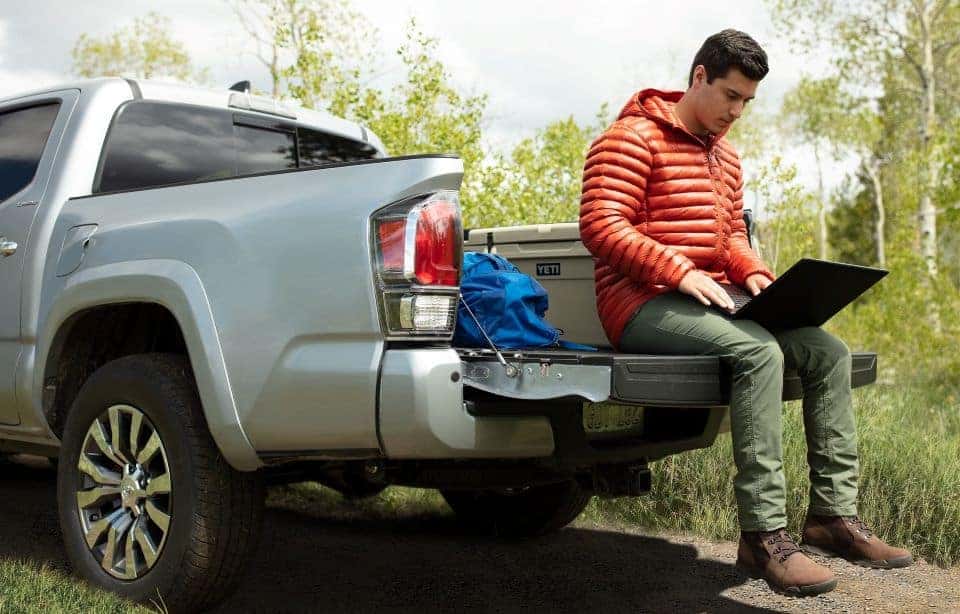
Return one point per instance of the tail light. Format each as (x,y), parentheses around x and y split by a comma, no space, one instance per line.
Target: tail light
(418,245)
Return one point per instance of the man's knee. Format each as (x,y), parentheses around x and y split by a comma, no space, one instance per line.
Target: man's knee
(837,349)
(831,349)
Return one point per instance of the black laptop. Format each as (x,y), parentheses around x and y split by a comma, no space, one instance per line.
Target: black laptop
(808,294)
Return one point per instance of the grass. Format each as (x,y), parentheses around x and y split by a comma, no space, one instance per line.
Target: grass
(394,503)
(909,477)
(27,586)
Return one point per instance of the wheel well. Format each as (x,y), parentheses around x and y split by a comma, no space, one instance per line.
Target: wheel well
(93,337)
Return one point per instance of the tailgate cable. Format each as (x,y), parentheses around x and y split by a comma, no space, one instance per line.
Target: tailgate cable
(510,370)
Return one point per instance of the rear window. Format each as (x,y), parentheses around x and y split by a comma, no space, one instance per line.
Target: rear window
(154,143)
(262,149)
(319,148)
(23,135)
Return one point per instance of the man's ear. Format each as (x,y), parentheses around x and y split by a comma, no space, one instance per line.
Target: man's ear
(699,75)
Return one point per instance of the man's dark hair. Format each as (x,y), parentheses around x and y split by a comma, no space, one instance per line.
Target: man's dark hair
(730,49)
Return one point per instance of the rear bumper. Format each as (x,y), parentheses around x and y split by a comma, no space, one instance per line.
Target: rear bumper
(422,415)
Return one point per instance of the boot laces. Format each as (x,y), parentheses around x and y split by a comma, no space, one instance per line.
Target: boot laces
(860,526)
(785,546)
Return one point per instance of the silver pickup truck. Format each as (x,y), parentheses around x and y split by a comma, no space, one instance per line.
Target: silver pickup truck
(207,290)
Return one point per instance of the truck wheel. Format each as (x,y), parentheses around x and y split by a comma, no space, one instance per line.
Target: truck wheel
(148,506)
(536,510)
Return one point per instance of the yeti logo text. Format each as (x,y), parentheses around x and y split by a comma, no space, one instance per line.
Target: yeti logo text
(548,269)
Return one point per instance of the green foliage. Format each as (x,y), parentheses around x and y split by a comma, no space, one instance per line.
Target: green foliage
(891,320)
(874,106)
(143,50)
(786,231)
(851,222)
(540,181)
(424,113)
(812,111)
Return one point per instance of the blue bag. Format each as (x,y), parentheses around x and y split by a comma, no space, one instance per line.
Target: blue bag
(509,305)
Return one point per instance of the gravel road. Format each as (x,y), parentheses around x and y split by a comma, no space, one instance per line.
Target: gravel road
(425,563)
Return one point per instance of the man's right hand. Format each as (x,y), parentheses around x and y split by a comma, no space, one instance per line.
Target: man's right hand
(705,290)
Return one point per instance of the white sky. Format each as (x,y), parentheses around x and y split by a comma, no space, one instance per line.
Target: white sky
(538,61)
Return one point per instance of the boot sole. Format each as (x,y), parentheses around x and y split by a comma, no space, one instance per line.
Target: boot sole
(897,563)
(807,590)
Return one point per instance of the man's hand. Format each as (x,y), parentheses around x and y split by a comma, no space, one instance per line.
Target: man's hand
(756,283)
(705,290)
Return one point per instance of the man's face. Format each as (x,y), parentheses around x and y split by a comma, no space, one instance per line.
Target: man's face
(721,103)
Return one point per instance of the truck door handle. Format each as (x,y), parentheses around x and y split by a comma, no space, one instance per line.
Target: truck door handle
(7,248)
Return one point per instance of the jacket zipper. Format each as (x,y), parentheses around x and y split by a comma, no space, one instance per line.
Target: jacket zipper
(718,212)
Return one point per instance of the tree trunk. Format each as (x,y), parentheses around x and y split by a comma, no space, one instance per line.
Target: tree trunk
(873,169)
(928,159)
(927,212)
(275,71)
(822,208)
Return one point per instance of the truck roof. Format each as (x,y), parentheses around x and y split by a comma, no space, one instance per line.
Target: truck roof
(220,99)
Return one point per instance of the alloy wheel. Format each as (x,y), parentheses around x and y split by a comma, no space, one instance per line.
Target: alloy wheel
(124,500)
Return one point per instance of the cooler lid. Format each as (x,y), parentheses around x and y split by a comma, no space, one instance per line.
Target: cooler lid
(533,233)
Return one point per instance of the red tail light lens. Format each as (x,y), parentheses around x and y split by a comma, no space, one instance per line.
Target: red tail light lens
(438,245)
(419,241)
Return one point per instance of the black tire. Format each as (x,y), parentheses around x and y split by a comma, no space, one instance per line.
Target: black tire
(215,511)
(536,510)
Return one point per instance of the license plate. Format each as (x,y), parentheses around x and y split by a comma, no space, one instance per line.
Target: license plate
(612,417)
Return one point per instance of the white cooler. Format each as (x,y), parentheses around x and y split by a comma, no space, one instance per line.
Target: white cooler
(554,256)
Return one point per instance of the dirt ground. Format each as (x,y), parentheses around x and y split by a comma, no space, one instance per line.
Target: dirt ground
(426,563)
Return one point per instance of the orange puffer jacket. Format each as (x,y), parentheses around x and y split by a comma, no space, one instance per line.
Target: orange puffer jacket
(658,202)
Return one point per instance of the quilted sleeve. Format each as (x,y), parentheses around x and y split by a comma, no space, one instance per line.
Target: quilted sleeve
(743,261)
(612,205)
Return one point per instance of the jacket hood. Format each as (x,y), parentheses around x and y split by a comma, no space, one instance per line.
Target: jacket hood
(658,106)
(653,104)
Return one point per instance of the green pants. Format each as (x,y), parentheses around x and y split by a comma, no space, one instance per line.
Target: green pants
(674,323)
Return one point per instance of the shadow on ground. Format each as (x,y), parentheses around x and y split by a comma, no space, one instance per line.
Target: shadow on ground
(422,563)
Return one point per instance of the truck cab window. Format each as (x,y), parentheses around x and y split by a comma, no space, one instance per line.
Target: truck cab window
(319,148)
(23,135)
(154,143)
(260,149)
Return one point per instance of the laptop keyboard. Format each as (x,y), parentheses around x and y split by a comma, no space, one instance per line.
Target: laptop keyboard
(739,296)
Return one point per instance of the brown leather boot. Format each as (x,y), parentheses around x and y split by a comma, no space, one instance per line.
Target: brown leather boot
(776,558)
(849,538)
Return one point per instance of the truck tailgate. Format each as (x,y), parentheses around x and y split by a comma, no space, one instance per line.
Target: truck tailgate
(658,380)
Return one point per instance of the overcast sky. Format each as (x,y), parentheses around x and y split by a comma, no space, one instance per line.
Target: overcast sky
(538,61)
